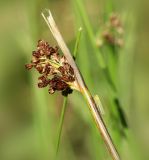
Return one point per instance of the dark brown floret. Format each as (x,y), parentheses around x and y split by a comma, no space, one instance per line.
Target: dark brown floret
(42,85)
(57,84)
(55,71)
(62,70)
(39,69)
(29,66)
(36,54)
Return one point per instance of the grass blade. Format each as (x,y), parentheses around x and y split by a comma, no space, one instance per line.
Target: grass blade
(77,43)
(61,124)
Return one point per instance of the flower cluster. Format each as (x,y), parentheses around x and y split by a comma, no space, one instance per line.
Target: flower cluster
(112,32)
(55,70)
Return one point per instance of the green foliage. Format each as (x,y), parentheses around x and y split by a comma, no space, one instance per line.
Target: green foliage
(29,117)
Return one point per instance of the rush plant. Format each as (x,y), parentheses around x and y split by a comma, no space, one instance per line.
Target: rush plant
(61,73)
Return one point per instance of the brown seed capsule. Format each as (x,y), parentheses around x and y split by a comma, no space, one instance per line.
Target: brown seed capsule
(71,70)
(28,66)
(58,84)
(62,70)
(36,54)
(39,69)
(41,84)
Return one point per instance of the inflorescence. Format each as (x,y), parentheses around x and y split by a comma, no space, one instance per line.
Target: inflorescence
(55,70)
(112,32)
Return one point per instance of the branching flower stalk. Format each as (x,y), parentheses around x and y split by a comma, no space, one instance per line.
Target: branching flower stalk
(81,86)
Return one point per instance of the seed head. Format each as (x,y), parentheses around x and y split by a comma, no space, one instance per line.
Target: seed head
(54,69)
(113,31)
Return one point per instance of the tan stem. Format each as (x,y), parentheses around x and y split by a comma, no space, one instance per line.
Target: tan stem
(100,124)
(82,86)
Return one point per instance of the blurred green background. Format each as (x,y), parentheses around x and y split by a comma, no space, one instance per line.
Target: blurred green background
(29,116)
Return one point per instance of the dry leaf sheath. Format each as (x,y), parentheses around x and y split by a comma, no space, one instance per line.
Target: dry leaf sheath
(57,77)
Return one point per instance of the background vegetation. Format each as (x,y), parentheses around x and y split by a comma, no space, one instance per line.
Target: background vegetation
(29,117)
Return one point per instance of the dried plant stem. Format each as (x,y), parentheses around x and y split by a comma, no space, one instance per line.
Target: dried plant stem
(100,124)
(82,86)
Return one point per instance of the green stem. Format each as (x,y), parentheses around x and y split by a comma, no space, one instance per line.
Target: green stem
(61,124)
(77,43)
